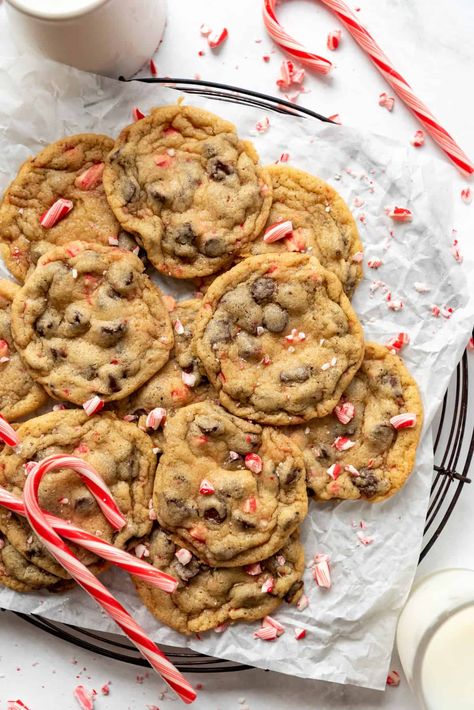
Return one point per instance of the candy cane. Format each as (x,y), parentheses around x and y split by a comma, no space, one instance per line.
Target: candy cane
(383,64)
(7,433)
(120,558)
(61,552)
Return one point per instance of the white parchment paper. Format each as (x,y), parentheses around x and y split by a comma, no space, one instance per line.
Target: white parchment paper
(350,628)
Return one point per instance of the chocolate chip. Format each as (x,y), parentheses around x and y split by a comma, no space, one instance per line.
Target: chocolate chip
(381,436)
(275,318)
(83,504)
(287,473)
(218,331)
(293,591)
(231,463)
(300,373)
(113,330)
(185,234)
(129,188)
(367,483)
(78,318)
(187,572)
(214,247)
(58,353)
(89,373)
(218,170)
(262,289)
(128,470)
(113,384)
(245,523)
(214,515)
(247,346)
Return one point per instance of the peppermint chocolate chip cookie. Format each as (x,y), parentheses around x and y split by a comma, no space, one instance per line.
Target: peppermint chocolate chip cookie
(208,596)
(321,222)
(19,394)
(278,339)
(21,575)
(88,321)
(358,451)
(118,451)
(229,490)
(70,169)
(191,191)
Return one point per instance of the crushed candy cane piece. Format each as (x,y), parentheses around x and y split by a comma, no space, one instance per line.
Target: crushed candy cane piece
(278,230)
(302,603)
(386,101)
(16,705)
(374,263)
(205,30)
(178,327)
(84,698)
(217,37)
(163,160)
(254,463)
(422,287)
(93,405)
(344,412)
(141,551)
(455,252)
(105,689)
(399,214)
(300,633)
(270,621)
(281,560)
(393,678)
(435,310)
(113,242)
(343,443)
(418,139)
(446,311)
(334,471)
(268,585)
(249,505)
(470,345)
(333,39)
(322,575)
(254,569)
(364,539)
(91,177)
(183,556)
(188,378)
(395,304)
(155,418)
(137,115)
(286,71)
(358,257)
(335,118)
(466,195)
(206,488)
(56,212)
(397,342)
(295,335)
(266,633)
(263,125)
(406,420)
(153,69)
(284,158)
(351,469)
(198,533)
(325,366)
(4,349)
(222,627)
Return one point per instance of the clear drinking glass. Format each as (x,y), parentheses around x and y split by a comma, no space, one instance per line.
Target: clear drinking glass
(435,640)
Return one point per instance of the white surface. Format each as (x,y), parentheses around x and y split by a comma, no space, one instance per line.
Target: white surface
(430,44)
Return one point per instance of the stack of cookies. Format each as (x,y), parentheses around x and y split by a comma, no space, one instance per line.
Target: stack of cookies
(211,419)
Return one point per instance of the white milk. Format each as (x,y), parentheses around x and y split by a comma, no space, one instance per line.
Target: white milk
(435,640)
(447,671)
(56,7)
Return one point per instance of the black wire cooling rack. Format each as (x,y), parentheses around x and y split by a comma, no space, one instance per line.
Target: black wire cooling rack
(453,442)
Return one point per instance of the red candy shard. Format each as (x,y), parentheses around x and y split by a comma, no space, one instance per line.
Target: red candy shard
(254,569)
(263,125)
(399,214)
(254,463)
(137,115)
(300,633)
(466,195)
(93,405)
(198,533)
(91,177)
(335,118)
(406,420)
(249,505)
(364,539)
(374,263)
(302,603)
(183,556)
(56,212)
(266,633)
(343,443)
(351,469)
(455,252)
(206,488)
(155,418)
(386,101)
(278,230)
(7,434)
(163,160)
(268,585)
(84,699)
(418,139)
(358,257)
(344,412)
(334,471)
(16,705)
(397,342)
(217,37)
(153,69)
(322,575)
(333,39)
(393,678)
(270,621)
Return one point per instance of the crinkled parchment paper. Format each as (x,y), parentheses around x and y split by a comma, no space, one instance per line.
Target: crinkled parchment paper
(350,628)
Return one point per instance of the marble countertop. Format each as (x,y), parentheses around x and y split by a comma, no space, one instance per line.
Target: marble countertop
(431,45)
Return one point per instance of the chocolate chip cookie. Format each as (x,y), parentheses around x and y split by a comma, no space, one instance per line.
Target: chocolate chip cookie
(21,575)
(188,188)
(19,394)
(88,321)
(180,382)
(322,224)
(356,452)
(278,339)
(207,596)
(70,169)
(229,490)
(118,451)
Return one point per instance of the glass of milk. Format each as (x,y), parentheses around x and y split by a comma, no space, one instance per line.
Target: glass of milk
(435,640)
(111,37)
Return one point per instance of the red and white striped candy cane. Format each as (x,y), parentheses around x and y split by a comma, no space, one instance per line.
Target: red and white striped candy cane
(120,558)
(383,64)
(61,552)
(7,433)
